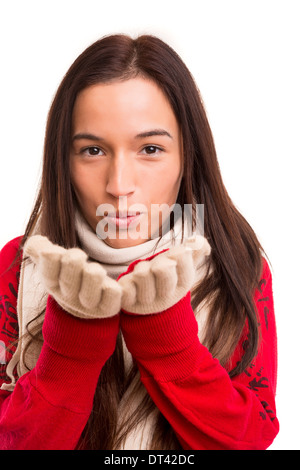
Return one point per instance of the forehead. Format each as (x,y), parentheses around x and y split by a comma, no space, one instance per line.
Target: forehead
(129,104)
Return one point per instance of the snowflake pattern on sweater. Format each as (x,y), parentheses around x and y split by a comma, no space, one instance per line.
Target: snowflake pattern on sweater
(206,409)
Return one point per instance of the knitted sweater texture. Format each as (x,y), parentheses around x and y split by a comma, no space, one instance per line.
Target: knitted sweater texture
(205,407)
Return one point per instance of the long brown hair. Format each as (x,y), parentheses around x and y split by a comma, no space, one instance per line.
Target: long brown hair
(236,256)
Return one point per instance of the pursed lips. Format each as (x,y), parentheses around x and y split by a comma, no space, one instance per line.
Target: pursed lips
(122,219)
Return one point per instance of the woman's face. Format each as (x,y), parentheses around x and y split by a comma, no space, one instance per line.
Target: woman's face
(126,159)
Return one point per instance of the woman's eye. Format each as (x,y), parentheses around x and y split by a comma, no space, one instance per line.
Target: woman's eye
(151,150)
(92,151)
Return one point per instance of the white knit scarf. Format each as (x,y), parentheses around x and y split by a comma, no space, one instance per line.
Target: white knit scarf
(32,300)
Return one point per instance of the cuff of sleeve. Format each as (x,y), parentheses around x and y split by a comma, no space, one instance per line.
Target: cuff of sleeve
(72,357)
(76,337)
(165,345)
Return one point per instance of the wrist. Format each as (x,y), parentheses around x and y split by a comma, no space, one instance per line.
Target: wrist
(72,357)
(165,344)
(76,337)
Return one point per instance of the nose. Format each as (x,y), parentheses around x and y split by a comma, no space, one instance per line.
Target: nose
(120,177)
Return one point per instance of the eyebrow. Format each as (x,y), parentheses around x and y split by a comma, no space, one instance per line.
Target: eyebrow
(142,135)
(153,132)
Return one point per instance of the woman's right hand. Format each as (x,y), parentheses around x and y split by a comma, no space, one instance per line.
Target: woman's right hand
(80,287)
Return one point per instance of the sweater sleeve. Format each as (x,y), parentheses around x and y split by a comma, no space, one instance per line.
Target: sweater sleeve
(50,405)
(205,407)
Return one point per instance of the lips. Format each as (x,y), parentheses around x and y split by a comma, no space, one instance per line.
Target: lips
(122,219)
(123,215)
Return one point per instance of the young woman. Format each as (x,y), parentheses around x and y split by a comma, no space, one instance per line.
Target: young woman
(115,332)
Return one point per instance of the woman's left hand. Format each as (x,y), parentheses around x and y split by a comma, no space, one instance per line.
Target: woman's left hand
(158,283)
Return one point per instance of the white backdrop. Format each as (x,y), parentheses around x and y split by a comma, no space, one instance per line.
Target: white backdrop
(244,56)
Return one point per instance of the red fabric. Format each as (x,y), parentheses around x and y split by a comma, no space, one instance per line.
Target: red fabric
(132,265)
(50,405)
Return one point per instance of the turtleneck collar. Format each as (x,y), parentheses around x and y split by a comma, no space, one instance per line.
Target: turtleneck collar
(116,260)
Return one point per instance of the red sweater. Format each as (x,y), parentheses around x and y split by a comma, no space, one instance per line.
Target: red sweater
(50,405)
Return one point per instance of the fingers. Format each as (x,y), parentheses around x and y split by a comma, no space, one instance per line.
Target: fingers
(156,283)
(148,281)
(47,258)
(90,289)
(159,283)
(145,282)
(38,245)
(111,294)
(95,294)
(165,273)
(184,265)
(139,286)
(200,249)
(49,267)
(80,287)
(72,265)
(129,291)
(84,288)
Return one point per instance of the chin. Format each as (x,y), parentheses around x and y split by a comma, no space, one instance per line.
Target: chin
(124,243)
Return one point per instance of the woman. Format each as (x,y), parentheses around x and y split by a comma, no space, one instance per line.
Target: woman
(105,351)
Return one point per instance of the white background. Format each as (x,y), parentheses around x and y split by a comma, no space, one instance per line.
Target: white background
(244,56)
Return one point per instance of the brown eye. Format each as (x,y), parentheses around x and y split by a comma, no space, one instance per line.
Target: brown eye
(92,151)
(152,150)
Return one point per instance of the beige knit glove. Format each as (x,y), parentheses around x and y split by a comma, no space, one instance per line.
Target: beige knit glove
(82,288)
(159,283)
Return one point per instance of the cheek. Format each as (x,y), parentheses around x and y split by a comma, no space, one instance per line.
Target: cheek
(78,181)
(86,185)
(167,185)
